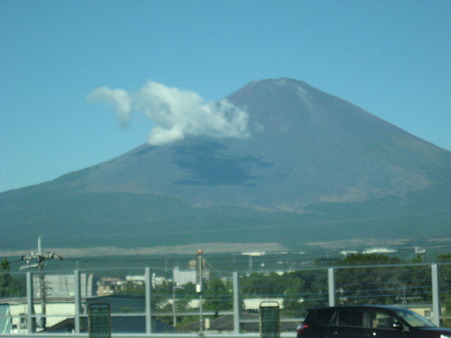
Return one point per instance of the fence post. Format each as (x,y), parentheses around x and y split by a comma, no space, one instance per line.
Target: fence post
(435,296)
(236,304)
(31,320)
(148,286)
(77,301)
(331,286)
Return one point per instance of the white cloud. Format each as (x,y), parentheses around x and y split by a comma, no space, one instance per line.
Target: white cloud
(117,99)
(176,113)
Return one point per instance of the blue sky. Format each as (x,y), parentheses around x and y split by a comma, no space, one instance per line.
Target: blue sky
(391,58)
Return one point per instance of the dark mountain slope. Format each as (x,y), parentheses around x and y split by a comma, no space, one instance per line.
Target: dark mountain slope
(314,164)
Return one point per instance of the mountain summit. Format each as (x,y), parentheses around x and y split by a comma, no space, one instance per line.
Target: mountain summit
(308,155)
(306,147)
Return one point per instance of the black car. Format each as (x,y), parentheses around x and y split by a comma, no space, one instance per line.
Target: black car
(368,321)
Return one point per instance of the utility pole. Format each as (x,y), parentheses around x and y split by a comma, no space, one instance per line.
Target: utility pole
(174,286)
(199,272)
(41,262)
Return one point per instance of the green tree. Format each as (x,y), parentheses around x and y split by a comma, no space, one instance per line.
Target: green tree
(132,289)
(292,298)
(444,261)
(304,290)
(367,283)
(5,278)
(300,290)
(168,297)
(262,285)
(369,259)
(218,295)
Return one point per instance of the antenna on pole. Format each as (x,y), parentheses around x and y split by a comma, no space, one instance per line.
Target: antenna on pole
(41,262)
(39,245)
(199,286)
(199,271)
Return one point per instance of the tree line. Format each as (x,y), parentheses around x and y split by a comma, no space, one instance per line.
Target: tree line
(360,279)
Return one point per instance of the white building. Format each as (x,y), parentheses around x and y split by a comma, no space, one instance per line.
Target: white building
(61,286)
(182,277)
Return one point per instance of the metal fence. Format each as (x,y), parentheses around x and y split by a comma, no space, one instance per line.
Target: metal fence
(146,304)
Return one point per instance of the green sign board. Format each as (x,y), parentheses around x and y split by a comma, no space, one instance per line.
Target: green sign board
(269,319)
(99,321)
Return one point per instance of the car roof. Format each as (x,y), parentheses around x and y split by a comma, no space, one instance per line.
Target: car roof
(386,307)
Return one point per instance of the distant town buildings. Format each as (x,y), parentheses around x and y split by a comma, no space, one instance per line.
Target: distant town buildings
(182,277)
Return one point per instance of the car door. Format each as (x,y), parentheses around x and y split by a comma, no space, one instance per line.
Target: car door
(348,324)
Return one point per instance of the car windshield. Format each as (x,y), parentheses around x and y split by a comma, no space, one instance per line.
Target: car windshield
(413,319)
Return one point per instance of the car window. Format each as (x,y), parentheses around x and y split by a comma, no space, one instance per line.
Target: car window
(381,319)
(413,318)
(350,317)
(324,317)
